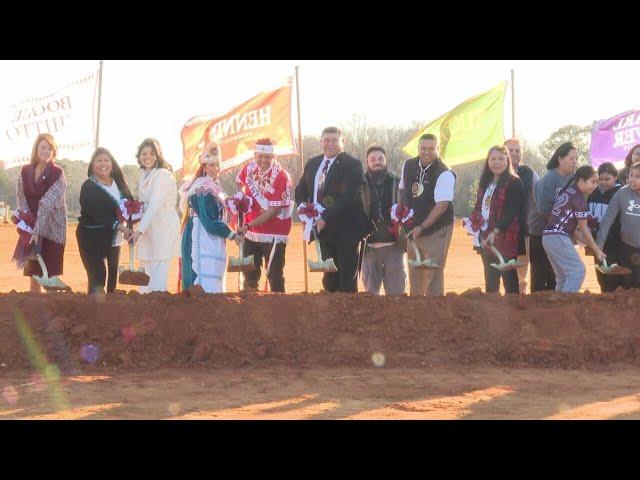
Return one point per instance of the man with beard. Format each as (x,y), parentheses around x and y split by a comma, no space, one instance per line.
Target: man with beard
(383,261)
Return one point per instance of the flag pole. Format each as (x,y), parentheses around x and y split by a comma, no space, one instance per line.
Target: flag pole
(301,153)
(99,104)
(513,105)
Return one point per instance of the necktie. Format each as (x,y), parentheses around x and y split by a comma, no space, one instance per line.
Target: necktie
(323,176)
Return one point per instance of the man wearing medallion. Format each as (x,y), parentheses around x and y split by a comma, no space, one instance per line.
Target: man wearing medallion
(335,181)
(426,186)
(267,226)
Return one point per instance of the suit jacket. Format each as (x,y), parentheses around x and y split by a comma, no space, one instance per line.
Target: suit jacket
(347,220)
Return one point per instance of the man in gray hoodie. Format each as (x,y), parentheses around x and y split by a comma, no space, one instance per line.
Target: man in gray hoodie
(626,204)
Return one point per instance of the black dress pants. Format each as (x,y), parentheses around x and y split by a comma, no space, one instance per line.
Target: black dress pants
(94,263)
(542,275)
(492,275)
(345,256)
(261,250)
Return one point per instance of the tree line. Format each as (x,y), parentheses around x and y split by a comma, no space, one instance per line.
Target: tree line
(359,136)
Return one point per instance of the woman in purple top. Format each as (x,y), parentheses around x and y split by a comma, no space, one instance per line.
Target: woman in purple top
(570,213)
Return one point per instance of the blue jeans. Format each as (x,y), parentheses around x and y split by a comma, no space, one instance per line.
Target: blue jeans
(566,263)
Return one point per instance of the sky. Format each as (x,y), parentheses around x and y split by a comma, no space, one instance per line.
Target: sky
(156,98)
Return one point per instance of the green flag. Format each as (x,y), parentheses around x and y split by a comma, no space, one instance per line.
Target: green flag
(466,133)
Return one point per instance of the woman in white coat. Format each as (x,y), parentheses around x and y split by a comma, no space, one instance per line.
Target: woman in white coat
(157,234)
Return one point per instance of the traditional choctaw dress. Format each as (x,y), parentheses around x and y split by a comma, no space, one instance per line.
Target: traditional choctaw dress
(204,254)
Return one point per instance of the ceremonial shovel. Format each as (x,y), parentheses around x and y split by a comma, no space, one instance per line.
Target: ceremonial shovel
(241,263)
(419,264)
(49,284)
(613,269)
(321,265)
(132,276)
(504,266)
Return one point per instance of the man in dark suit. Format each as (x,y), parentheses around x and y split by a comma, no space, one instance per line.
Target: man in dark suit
(335,180)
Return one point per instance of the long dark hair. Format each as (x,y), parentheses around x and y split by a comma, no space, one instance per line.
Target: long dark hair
(487,175)
(627,159)
(155,146)
(584,173)
(562,151)
(116,171)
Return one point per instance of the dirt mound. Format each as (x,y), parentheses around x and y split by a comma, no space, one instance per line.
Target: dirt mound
(132,331)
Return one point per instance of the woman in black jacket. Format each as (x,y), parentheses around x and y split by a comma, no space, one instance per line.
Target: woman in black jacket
(100,232)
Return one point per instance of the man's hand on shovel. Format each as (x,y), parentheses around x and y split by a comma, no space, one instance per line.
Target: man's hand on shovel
(415,232)
(320,224)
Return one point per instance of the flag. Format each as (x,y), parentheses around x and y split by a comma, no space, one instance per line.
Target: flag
(268,114)
(69,114)
(612,139)
(466,133)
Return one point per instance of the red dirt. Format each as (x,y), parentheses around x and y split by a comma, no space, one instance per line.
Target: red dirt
(193,355)
(159,330)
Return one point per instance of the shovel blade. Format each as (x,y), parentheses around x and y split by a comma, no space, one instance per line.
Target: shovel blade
(52,284)
(326,266)
(614,269)
(505,267)
(140,279)
(423,265)
(245,264)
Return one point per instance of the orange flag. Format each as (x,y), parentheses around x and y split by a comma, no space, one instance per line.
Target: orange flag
(268,114)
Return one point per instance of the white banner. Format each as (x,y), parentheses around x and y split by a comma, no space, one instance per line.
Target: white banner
(69,114)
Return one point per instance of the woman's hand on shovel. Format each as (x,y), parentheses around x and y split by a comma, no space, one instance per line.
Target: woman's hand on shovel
(34,238)
(133,238)
(490,240)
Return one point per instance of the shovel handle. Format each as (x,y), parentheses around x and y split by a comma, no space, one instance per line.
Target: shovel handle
(43,267)
(131,255)
(241,244)
(497,253)
(415,248)
(318,251)
(413,243)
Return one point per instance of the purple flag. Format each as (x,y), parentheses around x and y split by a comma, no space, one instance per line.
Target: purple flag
(612,139)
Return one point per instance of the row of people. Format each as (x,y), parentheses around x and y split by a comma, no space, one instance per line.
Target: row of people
(523,216)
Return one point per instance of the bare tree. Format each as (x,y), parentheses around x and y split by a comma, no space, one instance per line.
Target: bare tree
(579,136)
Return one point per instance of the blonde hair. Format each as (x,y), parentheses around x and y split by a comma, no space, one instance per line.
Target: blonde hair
(34,151)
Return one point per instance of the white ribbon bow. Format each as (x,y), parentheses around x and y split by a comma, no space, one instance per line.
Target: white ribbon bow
(308,221)
(125,214)
(22,225)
